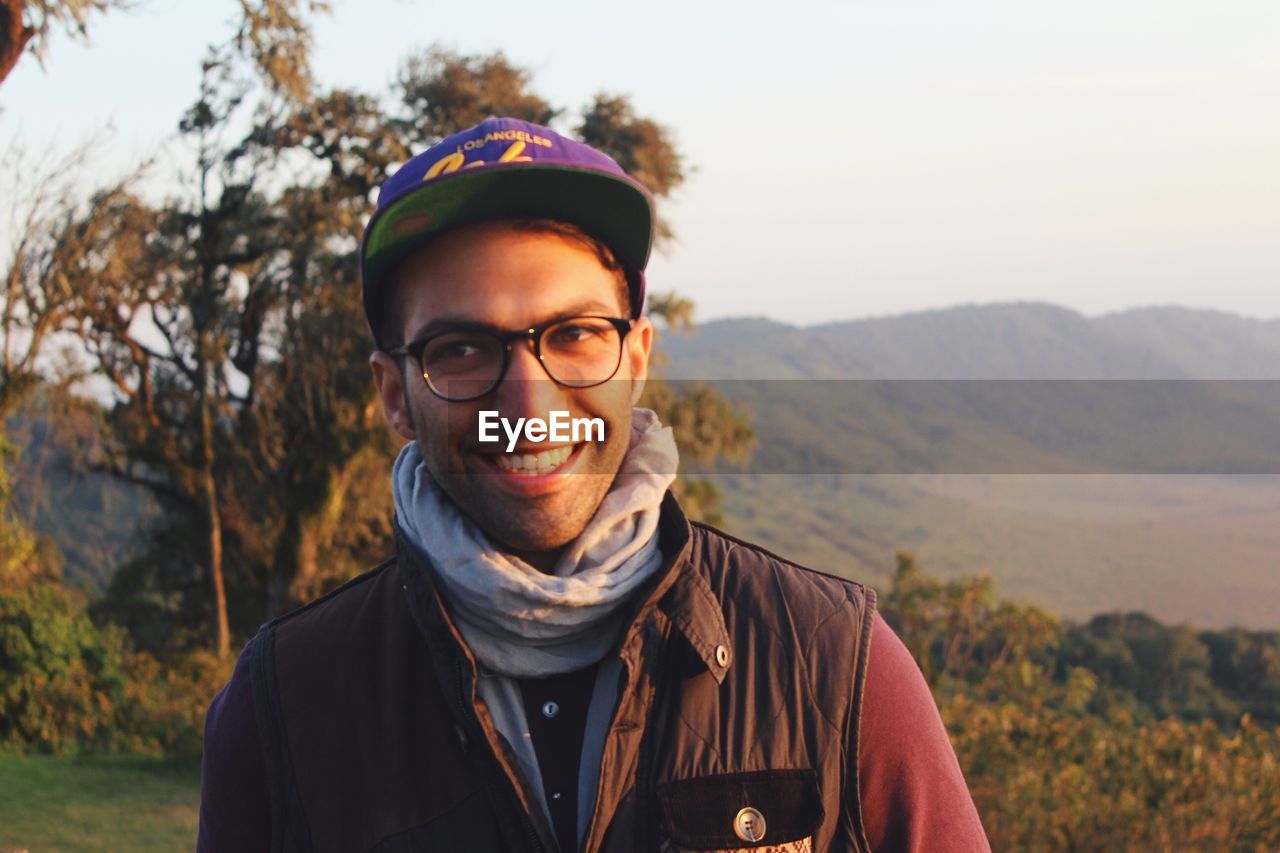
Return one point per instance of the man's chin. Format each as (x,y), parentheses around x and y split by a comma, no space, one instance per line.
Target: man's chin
(533,531)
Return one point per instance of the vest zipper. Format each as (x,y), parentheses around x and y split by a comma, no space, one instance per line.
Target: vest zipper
(469,717)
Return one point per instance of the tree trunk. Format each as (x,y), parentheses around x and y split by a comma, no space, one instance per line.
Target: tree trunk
(14,35)
(214,521)
(307,530)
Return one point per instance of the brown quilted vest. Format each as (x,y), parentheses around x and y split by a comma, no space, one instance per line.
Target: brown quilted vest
(737,715)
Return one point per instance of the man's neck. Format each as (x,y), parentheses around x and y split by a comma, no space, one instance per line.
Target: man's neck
(543,561)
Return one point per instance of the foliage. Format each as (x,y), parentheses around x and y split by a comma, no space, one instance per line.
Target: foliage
(443,92)
(67,685)
(275,34)
(26,24)
(17,544)
(1048,779)
(706,424)
(640,145)
(1066,745)
(55,232)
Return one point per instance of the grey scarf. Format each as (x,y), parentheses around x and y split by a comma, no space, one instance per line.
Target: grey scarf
(525,623)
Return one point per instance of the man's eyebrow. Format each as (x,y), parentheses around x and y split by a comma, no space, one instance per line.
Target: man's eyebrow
(447,322)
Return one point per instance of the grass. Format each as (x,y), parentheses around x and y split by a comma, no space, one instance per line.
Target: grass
(119,803)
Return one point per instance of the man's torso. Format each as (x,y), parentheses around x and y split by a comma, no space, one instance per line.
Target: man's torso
(736,721)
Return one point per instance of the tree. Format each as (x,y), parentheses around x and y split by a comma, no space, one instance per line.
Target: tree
(311,442)
(17,543)
(275,33)
(707,425)
(26,24)
(163,313)
(52,235)
(640,145)
(53,231)
(443,92)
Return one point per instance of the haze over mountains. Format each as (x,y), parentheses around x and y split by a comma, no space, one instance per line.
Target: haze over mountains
(1004,341)
(1038,489)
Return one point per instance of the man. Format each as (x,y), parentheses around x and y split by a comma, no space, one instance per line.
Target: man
(556,659)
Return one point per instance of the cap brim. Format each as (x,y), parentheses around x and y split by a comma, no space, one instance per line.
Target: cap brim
(614,209)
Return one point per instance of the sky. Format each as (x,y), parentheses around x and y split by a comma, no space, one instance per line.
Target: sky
(850,158)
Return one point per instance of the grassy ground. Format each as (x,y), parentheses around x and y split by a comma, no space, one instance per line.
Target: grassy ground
(122,803)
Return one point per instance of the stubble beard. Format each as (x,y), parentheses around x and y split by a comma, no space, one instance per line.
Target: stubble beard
(524,523)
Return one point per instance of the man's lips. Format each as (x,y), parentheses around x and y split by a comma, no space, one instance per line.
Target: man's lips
(534,462)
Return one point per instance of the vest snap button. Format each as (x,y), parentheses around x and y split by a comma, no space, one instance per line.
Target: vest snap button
(550,709)
(749,825)
(722,656)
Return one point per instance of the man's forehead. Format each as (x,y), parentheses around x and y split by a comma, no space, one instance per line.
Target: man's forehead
(454,319)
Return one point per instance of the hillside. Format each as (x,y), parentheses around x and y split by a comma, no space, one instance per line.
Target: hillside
(1084,496)
(93,519)
(1003,341)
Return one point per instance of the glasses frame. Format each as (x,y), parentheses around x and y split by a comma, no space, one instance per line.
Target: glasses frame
(415,348)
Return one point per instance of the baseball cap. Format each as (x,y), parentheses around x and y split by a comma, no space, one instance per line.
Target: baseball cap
(504,168)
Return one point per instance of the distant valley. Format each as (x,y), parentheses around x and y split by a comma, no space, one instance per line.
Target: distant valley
(1159,497)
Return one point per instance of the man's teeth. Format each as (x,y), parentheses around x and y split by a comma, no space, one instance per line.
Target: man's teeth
(533,464)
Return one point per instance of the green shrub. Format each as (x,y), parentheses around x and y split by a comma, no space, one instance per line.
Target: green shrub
(67,685)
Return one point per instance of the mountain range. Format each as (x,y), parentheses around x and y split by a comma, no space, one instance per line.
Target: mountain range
(963,444)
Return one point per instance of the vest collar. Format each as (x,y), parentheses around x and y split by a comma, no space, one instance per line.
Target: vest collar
(684,594)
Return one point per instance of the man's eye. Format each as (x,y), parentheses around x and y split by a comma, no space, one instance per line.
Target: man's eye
(452,350)
(576,333)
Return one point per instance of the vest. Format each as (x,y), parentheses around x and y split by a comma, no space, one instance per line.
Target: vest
(736,725)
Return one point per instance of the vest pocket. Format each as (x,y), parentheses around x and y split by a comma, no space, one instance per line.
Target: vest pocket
(772,810)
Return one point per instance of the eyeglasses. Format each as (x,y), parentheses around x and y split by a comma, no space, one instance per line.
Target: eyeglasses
(577,352)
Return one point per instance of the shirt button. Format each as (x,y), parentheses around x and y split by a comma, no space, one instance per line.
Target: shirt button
(722,656)
(749,825)
(550,709)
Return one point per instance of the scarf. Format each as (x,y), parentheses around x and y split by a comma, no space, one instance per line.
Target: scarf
(517,620)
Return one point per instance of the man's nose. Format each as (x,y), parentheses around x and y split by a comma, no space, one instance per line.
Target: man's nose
(527,391)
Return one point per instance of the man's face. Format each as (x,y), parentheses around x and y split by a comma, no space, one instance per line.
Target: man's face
(511,279)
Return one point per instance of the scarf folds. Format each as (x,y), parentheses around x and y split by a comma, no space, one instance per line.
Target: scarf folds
(522,622)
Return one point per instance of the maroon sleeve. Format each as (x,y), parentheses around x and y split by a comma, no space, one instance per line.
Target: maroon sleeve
(235,812)
(914,795)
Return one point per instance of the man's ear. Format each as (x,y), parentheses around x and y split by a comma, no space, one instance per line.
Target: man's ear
(389,378)
(639,347)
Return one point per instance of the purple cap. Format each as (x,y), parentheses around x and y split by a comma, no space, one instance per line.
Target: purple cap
(505,168)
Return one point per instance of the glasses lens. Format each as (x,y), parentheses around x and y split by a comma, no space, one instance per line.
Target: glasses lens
(581,351)
(462,364)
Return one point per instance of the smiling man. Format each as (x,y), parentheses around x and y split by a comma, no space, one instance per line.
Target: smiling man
(555,658)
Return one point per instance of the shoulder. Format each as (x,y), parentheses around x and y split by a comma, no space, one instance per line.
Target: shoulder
(760,583)
(913,789)
(335,610)
(234,800)
(822,622)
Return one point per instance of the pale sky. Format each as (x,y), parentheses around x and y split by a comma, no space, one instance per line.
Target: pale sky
(852,158)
